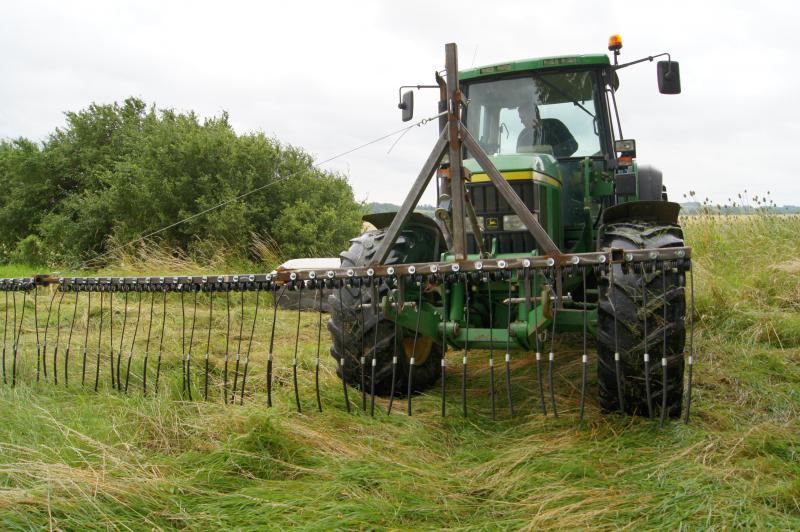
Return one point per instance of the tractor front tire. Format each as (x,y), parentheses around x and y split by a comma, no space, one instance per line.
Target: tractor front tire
(621,307)
(357,331)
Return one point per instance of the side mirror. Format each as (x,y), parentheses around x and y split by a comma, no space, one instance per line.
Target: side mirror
(407,105)
(669,77)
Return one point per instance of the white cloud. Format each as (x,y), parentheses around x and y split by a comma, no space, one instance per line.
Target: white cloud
(324,75)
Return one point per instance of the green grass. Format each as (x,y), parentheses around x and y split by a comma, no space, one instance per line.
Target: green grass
(75,459)
(17,270)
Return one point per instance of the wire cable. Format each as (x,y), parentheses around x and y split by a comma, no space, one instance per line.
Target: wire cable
(144,237)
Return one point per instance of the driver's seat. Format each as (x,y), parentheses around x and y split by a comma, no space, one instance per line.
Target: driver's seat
(554,134)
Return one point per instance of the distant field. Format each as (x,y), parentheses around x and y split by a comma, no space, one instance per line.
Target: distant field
(74,459)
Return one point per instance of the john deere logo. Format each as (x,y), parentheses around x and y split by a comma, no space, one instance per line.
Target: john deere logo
(492,223)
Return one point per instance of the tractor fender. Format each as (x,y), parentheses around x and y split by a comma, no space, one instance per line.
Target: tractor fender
(662,212)
(651,183)
(382,220)
(418,221)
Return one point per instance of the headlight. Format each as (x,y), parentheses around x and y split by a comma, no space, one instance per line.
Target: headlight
(512,222)
(468,224)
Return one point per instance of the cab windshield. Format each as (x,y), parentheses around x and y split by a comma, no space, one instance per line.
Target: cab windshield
(553,113)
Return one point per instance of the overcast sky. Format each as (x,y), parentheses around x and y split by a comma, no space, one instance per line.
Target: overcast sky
(324,75)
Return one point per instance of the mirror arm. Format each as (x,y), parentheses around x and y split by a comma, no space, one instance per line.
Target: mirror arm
(642,60)
(400,91)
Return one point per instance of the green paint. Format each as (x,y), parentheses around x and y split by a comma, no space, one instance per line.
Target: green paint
(478,334)
(570,61)
(572,193)
(543,163)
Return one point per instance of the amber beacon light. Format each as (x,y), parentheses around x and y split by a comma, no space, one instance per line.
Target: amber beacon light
(614,43)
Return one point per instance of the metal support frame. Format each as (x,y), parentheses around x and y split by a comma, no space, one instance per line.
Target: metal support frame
(514,201)
(411,201)
(454,136)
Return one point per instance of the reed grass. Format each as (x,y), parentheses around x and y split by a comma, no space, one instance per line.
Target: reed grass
(74,459)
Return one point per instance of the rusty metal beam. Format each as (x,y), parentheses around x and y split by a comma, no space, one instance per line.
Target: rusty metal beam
(455,173)
(412,199)
(512,198)
(674,257)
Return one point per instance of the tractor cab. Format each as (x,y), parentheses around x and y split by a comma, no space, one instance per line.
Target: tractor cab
(539,121)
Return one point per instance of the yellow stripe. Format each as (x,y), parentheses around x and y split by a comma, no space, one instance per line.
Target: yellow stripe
(519,176)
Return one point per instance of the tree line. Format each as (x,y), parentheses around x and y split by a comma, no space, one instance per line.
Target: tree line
(118,171)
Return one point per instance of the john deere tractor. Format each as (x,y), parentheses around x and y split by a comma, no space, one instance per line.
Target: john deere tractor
(550,128)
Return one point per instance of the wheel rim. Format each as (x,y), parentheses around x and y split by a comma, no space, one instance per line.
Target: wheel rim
(422,351)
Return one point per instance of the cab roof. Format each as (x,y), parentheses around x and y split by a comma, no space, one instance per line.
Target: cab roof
(534,64)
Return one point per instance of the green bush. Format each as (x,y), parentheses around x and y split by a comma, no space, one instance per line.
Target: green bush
(30,251)
(118,172)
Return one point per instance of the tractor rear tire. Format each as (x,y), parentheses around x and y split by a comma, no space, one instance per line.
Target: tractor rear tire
(624,302)
(349,335)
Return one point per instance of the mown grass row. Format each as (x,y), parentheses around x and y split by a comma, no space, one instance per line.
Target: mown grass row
(75,459)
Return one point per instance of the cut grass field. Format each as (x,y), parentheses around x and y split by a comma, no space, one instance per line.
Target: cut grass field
(74,459)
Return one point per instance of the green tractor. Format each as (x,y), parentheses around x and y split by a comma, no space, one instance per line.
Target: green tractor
(550,128)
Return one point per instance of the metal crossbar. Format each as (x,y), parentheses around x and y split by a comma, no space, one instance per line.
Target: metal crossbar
(525,274)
